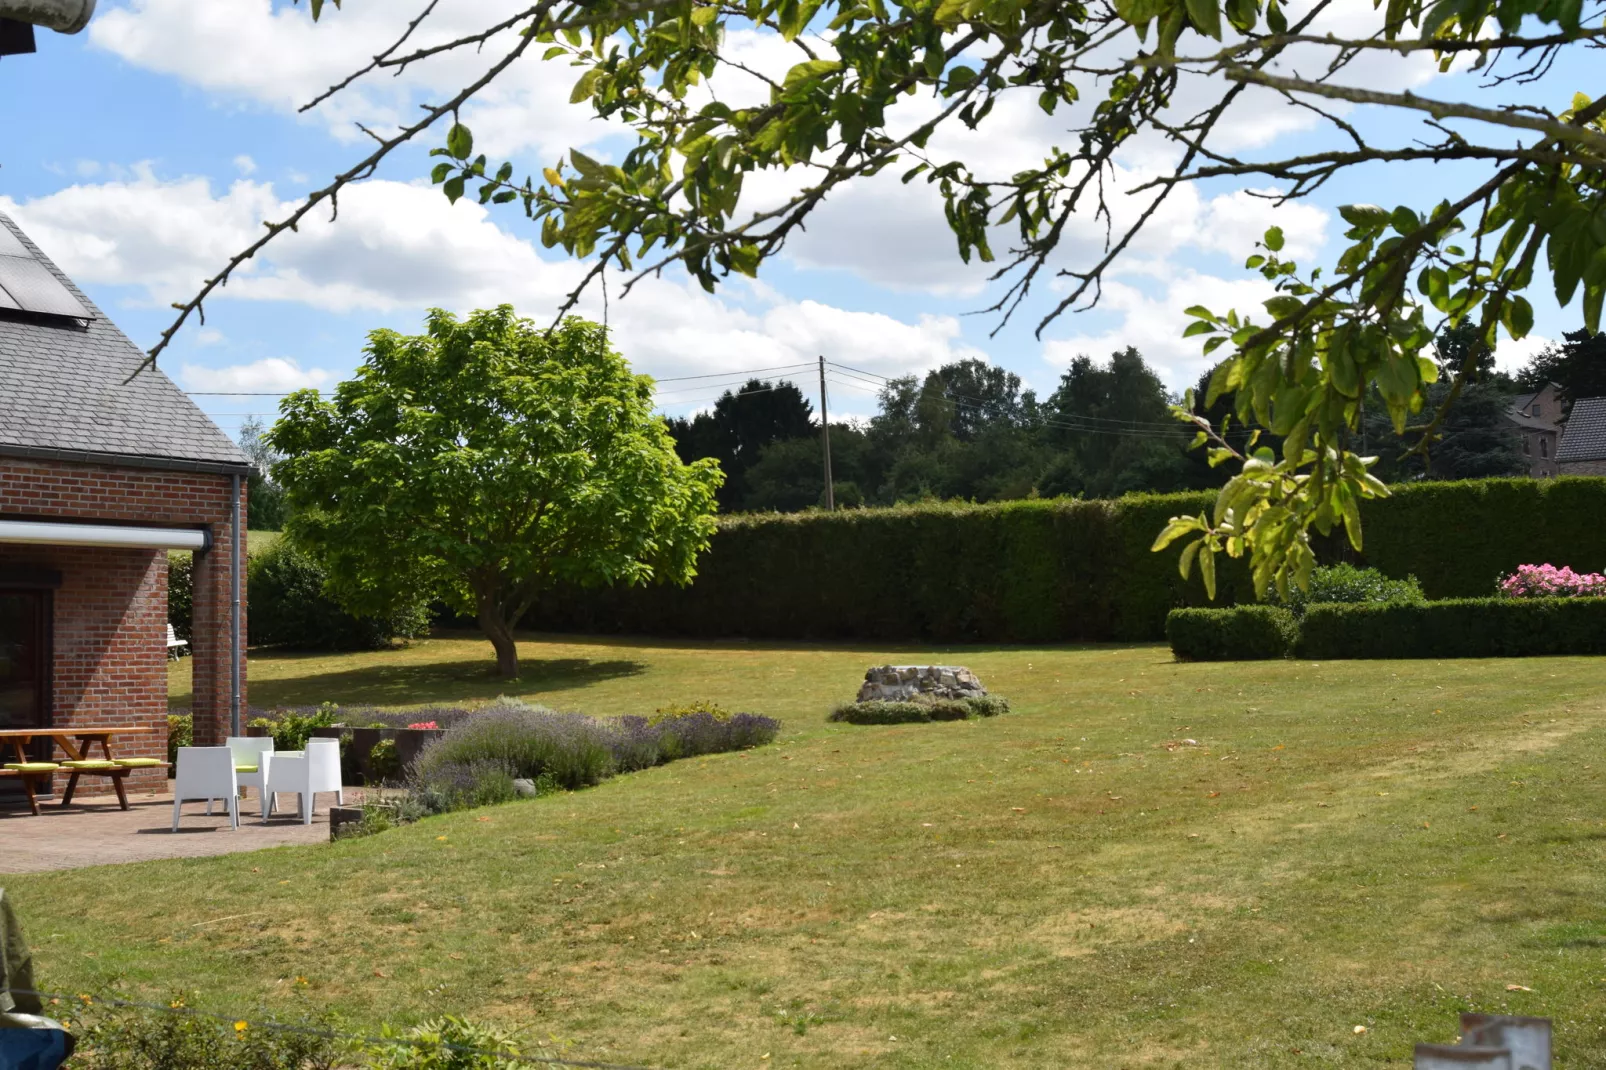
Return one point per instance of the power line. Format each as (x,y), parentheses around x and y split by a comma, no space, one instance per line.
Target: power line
(724,375)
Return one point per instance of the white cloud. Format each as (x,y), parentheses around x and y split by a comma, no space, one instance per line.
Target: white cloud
(1153,322)
(274,374)
(245,165)
(280,58)
(1513,356)
(401,248)
(208,336)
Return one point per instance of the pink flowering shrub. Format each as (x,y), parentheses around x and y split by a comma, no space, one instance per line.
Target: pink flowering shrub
(1548,581)
(430,725)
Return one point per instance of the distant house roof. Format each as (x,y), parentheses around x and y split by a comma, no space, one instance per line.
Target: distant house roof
(1530,423)
(1585,437)
(63,395)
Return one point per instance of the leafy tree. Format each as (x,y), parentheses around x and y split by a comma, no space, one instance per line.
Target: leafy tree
(1474,441)
(1459,348)
(1577,366)
(741,425)
(264,509)
(894,74)
(1113,417)
(483,460)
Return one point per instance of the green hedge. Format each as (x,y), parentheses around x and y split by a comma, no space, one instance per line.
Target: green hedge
(1456,628)
(288,607)
(1059,570)
(1242,633)
(1028,571)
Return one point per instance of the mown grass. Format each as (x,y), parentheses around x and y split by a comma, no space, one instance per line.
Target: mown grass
(1072,884)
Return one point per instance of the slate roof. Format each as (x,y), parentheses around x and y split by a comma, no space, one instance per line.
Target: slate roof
(1585,437)
(62,392)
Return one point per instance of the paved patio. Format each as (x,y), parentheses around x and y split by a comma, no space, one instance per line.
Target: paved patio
(94,832)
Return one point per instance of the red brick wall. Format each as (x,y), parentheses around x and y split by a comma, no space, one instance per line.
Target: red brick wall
(110,638)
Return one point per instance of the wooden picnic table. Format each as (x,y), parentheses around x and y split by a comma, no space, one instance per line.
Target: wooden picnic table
(65,738)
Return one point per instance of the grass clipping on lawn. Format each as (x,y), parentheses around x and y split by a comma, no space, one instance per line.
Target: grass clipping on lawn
(918,710)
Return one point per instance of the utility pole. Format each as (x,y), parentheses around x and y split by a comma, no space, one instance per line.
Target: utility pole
(825,438)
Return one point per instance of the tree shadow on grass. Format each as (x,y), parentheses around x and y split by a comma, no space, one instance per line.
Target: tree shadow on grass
(448,682)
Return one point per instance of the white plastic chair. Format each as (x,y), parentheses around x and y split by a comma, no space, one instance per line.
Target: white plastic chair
(306,773)
(252,756)
(206,773)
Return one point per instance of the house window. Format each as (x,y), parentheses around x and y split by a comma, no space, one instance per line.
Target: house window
(1527,444)
(1544,447)
(1536,408)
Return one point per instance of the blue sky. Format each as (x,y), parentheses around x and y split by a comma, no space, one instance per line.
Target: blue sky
(144,151)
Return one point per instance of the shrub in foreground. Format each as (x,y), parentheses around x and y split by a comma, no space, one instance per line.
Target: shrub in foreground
(1456,628)
(956,709)
(1242,633)
(178,1038)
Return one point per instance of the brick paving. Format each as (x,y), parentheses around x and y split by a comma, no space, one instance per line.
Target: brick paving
(94,832)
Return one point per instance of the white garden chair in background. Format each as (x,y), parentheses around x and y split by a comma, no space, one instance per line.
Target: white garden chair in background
(206,773)
(252,756)
(306,773)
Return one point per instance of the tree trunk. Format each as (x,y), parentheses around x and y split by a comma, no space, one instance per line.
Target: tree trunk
(500,633)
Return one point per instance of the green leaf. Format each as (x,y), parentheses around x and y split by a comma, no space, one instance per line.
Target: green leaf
(459,141)
(1207,570)
(1274,239)
(1199,312)
(1518,316)
(1364,215)
(1206,17)
(1405,221)
(585,86)
(453,188)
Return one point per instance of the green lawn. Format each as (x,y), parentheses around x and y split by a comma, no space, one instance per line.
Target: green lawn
(1074,884)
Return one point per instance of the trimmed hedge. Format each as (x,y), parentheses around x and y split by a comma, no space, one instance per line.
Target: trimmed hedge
(1456,628)
(1242,633)
(1025,571)
(1459,538)
(1058,570)
(1453,628)
(955,709)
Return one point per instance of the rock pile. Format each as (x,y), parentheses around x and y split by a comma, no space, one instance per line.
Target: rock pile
(902,683)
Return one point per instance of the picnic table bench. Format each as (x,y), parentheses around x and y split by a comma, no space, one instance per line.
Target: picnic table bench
(78,745)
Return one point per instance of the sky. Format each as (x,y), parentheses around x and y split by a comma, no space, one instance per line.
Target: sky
(144,152)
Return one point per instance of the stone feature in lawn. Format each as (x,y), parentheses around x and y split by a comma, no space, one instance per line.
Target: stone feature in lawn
(904,683)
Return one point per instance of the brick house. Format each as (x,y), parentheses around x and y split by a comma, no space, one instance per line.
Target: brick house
(1539,416)
(1583,444)
(100,476)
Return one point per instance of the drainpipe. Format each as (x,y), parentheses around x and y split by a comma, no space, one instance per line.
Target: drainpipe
(235,546)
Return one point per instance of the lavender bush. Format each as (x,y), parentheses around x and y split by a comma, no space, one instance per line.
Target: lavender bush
(511,739)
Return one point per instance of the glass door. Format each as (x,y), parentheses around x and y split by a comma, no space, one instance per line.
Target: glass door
(24,673)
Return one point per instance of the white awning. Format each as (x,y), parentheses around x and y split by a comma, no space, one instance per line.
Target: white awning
(56,534)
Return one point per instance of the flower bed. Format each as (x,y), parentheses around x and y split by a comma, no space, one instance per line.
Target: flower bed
(511,748)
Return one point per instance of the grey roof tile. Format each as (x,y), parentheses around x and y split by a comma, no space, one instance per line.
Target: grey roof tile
(62,388)
(1585,436)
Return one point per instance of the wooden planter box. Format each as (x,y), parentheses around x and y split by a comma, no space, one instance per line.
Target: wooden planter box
(410,741)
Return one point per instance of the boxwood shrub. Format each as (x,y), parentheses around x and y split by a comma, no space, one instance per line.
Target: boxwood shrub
(1456,628)
(954,709)
(1242,633)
